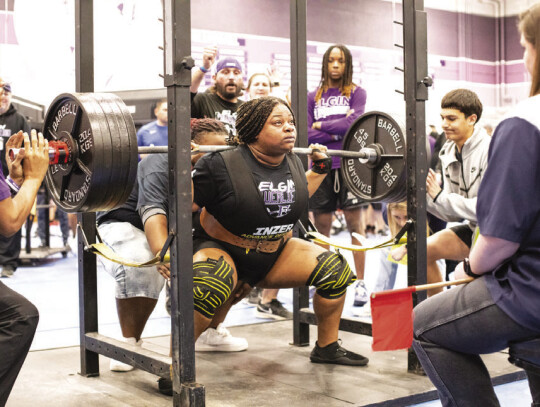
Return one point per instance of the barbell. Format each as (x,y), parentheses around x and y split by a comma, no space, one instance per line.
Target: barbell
(59,152)
(94,154)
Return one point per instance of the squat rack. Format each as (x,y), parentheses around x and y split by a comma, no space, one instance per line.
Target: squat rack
(177,79)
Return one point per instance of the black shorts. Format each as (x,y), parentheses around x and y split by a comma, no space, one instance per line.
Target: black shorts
(326,199)
(251,267)
(464,232)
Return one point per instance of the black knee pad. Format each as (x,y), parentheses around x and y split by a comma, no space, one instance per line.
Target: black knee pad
(212,285)
(331,276)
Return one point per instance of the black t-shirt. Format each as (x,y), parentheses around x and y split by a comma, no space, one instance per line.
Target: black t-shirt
(125,213)
(213,189)
(211,106)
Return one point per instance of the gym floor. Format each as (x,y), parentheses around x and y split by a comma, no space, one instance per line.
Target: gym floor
(269,373)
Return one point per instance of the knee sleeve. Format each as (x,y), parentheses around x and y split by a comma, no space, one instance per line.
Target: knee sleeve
(212,285)
(331,276)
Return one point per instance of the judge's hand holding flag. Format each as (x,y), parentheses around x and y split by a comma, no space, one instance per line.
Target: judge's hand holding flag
(392,315)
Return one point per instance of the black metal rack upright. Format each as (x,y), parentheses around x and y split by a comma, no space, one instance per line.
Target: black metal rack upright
(178,64)
(92,343)
(416,82)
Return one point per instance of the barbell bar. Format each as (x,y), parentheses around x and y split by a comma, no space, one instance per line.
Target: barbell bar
(59,154)
(94,154)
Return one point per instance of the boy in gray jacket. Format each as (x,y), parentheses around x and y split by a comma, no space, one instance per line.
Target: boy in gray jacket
(464,161)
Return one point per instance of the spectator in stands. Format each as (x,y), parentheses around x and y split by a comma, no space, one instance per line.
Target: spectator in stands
(43,220)
(489,129)
(392,259)
(10,123)
(221,100)
(332,108)
(155,133)
(463,161)
(259,85)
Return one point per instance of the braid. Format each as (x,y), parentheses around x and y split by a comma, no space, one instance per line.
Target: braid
(252,115)
(199,127)
(347,85)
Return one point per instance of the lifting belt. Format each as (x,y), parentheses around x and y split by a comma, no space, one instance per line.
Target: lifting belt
(216,230)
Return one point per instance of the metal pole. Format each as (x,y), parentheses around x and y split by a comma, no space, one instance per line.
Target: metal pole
(84,74)
(178,64)
(416,82)
(298,34)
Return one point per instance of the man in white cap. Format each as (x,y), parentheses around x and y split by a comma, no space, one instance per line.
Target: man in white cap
(220,101)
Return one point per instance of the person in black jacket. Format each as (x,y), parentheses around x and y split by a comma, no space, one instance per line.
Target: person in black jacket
(10,123)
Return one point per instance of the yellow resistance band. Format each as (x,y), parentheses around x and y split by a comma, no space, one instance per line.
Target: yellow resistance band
(322,239)
(101,249)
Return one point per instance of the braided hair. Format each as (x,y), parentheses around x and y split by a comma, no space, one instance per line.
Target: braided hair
(347,86)
(199,127)
(252,115)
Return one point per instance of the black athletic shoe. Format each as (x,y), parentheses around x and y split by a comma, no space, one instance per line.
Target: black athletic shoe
(336,354)
(165,386)
(273,310)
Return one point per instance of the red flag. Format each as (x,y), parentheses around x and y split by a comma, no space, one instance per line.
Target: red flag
(392,316)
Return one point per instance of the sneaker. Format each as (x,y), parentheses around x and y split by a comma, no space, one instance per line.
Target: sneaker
(219,340)
(312,291)
(338,355)
(165,386)
(364,311)
(273,310)
(369,230)
(7,271)
(253,297)
(117,366)
(360,294)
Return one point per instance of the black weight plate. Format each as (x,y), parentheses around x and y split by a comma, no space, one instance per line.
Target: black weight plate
(105,158)
(75,186)
(109,133)
(120,167)
(383,180)
(128,145)
(133,146)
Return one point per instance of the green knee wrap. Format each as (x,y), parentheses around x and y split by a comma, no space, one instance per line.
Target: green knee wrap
(212,285)
(332,275)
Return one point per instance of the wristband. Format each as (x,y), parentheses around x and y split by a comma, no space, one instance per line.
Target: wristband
(322,166)
(203,69)
(14,187)
(467,269)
